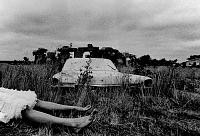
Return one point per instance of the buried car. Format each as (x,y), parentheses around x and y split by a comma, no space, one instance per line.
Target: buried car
(104,74)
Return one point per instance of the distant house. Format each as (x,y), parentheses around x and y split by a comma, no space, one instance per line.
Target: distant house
(193,62)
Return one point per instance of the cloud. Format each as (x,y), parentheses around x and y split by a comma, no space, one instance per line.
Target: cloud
(157,27)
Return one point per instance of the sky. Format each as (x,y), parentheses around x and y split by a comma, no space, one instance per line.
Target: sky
(161,28)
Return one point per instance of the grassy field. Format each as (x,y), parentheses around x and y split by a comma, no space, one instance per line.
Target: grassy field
(170,107)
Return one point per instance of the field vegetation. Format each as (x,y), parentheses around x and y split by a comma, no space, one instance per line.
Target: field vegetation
(170,107)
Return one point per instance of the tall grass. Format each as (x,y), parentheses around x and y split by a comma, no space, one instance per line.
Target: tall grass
(30,77)
(120,112)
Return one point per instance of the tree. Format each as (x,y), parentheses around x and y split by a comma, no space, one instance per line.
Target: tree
(26,60)
(144,60)
(162,62)
(63,55)
(113,54)
(154,62)
(40,55)
(51,57)
(130,58)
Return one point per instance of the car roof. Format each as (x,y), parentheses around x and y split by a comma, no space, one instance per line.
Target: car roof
(96,64)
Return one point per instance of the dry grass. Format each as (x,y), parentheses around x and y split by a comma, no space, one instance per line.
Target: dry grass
(121,112)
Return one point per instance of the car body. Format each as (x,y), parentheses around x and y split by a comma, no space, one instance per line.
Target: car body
(104,74)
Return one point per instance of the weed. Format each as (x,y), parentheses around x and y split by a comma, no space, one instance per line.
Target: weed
(84,82)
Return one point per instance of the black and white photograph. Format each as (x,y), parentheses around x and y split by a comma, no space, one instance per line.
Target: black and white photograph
(99,67)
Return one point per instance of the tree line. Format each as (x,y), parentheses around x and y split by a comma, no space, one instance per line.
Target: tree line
(43,56)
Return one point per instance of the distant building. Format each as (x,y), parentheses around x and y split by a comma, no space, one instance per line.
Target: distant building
(193,62)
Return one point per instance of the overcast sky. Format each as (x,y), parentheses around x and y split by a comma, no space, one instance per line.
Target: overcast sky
(161,28)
